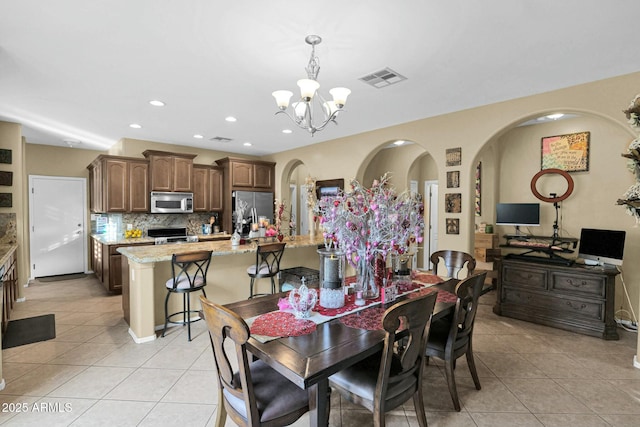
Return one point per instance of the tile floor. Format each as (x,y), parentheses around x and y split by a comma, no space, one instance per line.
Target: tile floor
(92,374)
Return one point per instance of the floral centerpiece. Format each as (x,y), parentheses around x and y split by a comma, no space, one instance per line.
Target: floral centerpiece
(280,213)
(369,224)
(310,184)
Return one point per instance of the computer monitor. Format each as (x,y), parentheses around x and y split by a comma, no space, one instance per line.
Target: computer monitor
(518,214)
(599,247)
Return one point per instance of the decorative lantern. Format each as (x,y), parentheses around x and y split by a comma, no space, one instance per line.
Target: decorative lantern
(332,264)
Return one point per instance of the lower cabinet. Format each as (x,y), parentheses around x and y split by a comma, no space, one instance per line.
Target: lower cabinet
(107,264)
(576,298)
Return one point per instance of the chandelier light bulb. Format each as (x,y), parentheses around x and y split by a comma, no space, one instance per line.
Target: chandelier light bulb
(308,88)
(282,98)
(340,95)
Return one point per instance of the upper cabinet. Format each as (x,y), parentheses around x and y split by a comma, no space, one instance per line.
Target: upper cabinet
(170,171)
(207,188)
(118,184)
(246,174)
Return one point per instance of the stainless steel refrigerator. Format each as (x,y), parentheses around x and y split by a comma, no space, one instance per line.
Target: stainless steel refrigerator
(259,202)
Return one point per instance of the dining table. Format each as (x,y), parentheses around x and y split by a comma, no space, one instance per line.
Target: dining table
(310,358)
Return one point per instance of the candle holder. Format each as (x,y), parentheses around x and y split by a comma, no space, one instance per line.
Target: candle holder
(332,264)
(402,265)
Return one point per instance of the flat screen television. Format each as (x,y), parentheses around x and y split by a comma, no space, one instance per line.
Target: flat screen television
(518,214)
(599,247)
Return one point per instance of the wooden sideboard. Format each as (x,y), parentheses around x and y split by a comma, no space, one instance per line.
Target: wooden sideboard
(575,298)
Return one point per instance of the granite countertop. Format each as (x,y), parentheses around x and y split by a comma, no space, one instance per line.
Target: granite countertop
(6,251)
(121,240)
(157,253)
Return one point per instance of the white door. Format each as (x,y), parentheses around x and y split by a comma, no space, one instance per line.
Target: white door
(431,221)
(57,213)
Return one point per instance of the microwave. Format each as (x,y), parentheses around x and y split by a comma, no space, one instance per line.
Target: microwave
(163,202)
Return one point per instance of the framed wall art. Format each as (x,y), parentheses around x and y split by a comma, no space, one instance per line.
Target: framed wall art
(6,178)
(479,189)
(453,226)
(329,187)
(5,156)
(453,202)
(453,179)
(568,152)
(454,156)
(6,200)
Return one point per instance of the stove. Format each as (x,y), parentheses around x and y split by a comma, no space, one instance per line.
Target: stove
(163,236)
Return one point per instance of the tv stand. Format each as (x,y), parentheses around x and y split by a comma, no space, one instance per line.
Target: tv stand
(575,298)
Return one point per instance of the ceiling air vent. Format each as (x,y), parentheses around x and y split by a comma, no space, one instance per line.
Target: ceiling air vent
(221,139)
(383,78)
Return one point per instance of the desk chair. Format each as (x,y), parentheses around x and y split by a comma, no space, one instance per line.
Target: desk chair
(255,395)
(451,337)
(267,264)
(189,274)
(387,379)
(454,262)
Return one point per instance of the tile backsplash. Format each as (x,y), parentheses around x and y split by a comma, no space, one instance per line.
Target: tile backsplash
(193,222)
(8,230)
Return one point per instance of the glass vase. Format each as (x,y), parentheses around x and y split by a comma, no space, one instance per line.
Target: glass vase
(370,275)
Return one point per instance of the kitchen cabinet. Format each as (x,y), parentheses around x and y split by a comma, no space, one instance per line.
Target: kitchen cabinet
(247,174)
(244,175)
(575,298)
(118,184)
(170,171)
(207,188)
(107,263)
(9,279)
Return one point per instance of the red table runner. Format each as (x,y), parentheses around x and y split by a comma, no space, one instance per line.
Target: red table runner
(284,324)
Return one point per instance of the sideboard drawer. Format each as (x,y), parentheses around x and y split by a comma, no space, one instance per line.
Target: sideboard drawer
(571,307)
(588,286)
(531,278)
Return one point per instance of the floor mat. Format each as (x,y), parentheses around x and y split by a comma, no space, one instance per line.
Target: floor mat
(62,277)
(29,330)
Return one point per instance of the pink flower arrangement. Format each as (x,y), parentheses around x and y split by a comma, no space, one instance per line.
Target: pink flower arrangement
(372,221)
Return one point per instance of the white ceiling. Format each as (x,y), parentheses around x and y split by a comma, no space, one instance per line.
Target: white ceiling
(84,70)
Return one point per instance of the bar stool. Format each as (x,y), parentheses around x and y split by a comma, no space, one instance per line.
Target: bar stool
(267,264)
(189,274)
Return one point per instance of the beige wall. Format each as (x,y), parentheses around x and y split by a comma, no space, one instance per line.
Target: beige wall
(482,132)
(11,139)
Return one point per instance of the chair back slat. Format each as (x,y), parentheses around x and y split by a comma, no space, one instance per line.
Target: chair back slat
(454,262)
(468,292)
(190,266)
(409,322)
(270,255)
(224,324)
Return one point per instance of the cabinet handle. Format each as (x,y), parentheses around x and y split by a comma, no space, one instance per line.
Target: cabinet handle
(580,307)
(575,284)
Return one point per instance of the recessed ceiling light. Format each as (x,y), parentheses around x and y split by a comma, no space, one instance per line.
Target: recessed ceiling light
(399,142)
(555,116)
(135,126)
(198,136)
(287,131)
(247,144)
(231,119)
(156,103)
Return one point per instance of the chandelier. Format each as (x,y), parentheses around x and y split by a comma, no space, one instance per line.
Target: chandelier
(304,110)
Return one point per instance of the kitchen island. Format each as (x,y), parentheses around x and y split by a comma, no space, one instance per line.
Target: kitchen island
(149,267)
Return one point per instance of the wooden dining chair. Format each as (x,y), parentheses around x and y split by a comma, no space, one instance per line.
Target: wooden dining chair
(451,337)
(454,262)
(256,394)
(387,379)
(267,265)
